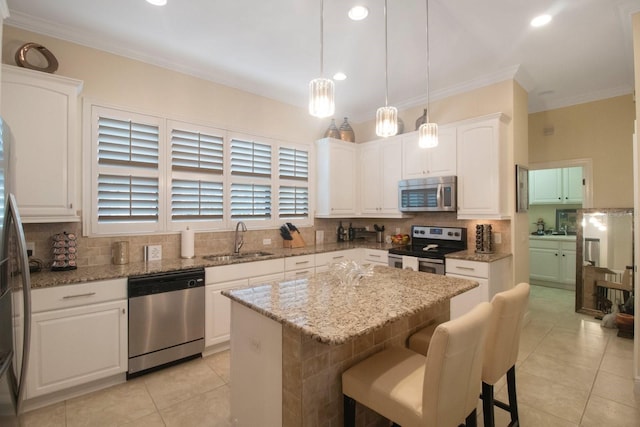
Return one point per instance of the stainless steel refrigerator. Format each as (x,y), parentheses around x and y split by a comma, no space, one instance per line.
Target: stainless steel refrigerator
(15,296)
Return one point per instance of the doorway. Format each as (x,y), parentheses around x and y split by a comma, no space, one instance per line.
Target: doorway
(556,191)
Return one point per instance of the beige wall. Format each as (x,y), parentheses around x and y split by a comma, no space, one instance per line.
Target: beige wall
(600,130)
(124,82)
(486,100)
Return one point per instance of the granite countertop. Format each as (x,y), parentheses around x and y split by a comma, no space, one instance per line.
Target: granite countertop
(472,256)
(334,313)
(561,237)
(48,278)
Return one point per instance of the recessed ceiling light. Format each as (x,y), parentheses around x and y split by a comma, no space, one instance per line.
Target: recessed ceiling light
(157,2)
(339,76)
(358,13)
(541,20)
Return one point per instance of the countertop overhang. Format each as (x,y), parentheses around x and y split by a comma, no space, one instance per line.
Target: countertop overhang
(333,313)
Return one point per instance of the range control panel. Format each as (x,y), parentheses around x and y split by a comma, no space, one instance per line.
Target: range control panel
(440,233)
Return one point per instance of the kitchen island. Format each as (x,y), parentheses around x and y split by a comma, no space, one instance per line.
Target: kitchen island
(291,340)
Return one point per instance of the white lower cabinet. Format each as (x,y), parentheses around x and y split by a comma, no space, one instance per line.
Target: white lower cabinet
(493,277)
(76,336)
(217,306)
(218,313)
(553,262)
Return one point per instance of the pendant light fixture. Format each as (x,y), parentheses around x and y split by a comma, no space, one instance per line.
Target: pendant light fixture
(386,117)
(428,132)
(321,90)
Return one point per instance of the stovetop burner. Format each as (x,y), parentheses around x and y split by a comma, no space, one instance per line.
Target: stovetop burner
(433,242)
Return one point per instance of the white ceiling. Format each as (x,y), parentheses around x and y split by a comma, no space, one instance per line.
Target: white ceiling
(272,47)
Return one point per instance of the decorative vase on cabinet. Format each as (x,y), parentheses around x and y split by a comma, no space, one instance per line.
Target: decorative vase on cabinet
(346,132)
(332,130)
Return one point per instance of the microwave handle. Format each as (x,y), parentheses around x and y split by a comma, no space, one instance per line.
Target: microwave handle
(440,195)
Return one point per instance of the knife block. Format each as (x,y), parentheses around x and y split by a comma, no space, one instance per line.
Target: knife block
(297,242)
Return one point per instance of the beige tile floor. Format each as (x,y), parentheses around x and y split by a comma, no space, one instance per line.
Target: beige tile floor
(570,372)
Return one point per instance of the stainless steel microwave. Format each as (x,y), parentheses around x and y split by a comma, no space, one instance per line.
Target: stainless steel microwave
(435,194)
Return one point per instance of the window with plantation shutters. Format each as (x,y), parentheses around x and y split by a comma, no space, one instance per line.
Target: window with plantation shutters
(293,191)
(152,174)
(196,200)
(197,165)
(250,158)
(128,177)
(126,143)
(196,152)
(293,202)
(293,164)
(126,198)
(250,201)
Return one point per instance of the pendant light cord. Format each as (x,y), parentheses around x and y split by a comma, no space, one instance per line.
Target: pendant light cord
(321,38)
(386,58)
(428,59)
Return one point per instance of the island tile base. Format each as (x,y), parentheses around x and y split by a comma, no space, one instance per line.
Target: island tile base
(312,371)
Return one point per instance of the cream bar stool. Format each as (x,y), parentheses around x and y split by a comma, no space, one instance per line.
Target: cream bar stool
(501,350)
(439,390)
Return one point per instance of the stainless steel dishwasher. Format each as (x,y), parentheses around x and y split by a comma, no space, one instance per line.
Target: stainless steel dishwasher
(166,318)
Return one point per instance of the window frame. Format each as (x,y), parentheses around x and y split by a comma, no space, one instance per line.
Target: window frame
(91,227)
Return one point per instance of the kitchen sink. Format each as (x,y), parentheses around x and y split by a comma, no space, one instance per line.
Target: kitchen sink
(241,255)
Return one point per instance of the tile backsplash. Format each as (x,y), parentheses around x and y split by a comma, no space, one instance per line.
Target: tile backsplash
(94,251)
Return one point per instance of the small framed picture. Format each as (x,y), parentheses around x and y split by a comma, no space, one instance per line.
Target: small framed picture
(522,189)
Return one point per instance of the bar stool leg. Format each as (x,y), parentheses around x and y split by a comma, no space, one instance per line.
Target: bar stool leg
(472,419)
(349,411)
(513,402)
(487,405)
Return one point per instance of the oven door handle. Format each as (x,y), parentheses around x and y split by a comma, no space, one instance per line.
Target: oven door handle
(431,260)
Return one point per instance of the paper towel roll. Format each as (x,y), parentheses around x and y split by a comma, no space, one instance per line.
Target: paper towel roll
(187,244)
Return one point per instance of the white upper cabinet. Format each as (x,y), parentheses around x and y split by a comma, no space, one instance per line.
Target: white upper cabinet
(41,110)
(483,175)
(424,162)
(335,178)
(380,170)
(556,186)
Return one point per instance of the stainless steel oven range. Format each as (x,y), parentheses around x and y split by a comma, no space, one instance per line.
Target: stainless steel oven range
(166,318)
(429,245)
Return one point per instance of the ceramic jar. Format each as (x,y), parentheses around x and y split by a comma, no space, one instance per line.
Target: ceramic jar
(332,130)
(346,132)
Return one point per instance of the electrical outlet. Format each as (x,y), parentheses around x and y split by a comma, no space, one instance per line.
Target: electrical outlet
(31,246)
(153,252)
(497,238)
(266,242)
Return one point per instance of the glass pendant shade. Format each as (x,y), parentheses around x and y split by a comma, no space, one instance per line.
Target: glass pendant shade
(386,121)
(321,97)
(428,135)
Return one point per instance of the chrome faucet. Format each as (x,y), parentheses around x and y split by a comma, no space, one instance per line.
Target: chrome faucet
(238,239)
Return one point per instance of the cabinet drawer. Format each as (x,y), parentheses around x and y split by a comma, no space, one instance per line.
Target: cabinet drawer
(58,297)
(544,244)
(467,268)
(376,255)
(299,274)
(336,256)
(226,273)
(298,262)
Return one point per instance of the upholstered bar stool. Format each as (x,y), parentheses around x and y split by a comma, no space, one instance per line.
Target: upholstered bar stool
(501,350)
(439,390)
